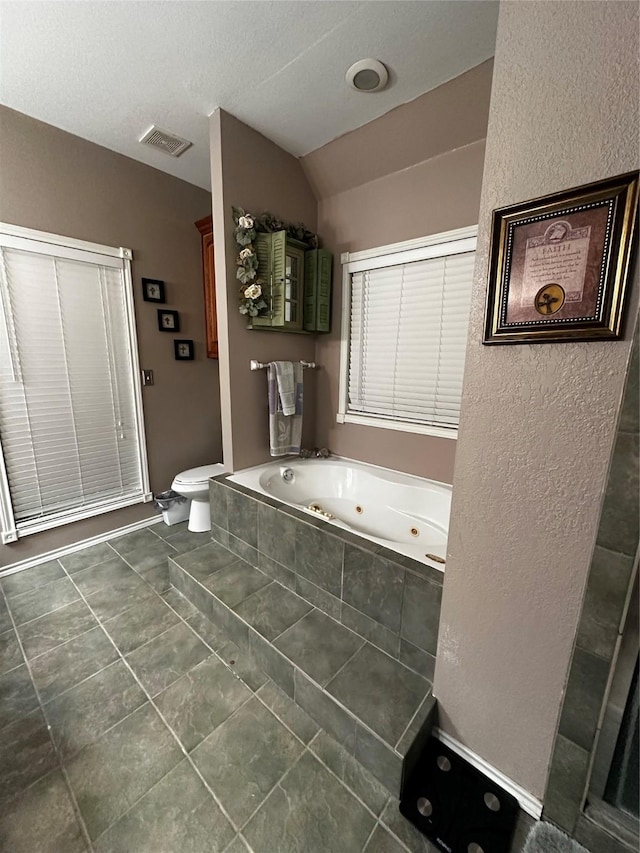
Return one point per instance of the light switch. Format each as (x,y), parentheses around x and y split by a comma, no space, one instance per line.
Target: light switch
(147,377)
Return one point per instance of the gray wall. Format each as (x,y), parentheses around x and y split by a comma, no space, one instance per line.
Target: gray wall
(415,171)
(250,171)
(538,422)
(53,181)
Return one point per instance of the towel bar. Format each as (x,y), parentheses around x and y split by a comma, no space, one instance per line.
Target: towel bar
(259,365)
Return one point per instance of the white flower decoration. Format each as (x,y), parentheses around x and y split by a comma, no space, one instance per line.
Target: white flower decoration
(246,253)
(253,292)
(245,222)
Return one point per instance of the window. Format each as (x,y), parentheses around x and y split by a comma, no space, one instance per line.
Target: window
(71,428)
(404,333)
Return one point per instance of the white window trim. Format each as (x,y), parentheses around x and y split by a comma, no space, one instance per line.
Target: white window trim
(435,246)
(15,236)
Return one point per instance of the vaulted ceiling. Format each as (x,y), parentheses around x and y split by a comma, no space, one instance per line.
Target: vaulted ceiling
(107,71)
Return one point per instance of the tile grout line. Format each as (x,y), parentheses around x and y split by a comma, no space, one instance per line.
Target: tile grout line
(82,681)
(413,717)
(341,604)
(357,720)
(68,576)
(66,642)
(271,790)
(401,626)
(338,671)
(186,754)
(388,829)
(153,704)
(253,694)
(58,755)
(101,623)
(48,612)
(306,747)
(342,782)
(252,628)
(314,682)
(173,734)
(311,609)
(76,601)
(394,835)
(369,837)
(339,621)
(33,588)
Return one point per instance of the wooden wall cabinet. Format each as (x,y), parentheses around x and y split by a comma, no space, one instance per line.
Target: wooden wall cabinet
(205,227)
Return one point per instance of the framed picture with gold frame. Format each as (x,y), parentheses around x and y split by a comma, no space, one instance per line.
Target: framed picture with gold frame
(559,265)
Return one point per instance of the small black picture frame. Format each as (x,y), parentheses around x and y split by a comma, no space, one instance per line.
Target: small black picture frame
(168,321)
(183,350)
(153,290)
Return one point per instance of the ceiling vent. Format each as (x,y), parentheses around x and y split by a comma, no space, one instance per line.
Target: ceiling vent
(167,142)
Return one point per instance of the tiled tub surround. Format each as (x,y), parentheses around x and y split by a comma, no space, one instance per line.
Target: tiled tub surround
(129,722)
(370,702)
(405,513)
(388,599)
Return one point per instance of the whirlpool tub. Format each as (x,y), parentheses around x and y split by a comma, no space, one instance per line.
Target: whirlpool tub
(408,514)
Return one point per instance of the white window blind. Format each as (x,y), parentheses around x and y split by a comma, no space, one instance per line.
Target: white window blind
(407,337)
(70,423)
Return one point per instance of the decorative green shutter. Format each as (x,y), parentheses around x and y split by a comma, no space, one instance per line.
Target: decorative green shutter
(323,308)
(310,289)
(262,244)
(278,265)
(317,290)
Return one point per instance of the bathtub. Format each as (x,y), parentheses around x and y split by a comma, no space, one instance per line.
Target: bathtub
(407,514)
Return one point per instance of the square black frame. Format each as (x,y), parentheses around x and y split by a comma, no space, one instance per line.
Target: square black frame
(178,348)
(162,326)
(147,285)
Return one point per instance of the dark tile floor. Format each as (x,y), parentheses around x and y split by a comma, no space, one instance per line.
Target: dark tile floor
(129,723)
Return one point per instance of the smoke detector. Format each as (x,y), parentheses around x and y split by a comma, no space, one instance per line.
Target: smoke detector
(161,140)
(368,75)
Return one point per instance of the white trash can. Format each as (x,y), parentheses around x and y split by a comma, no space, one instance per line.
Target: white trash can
(174,507)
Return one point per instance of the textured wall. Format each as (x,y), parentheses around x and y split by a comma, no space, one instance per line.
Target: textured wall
(601,626)
(538,422)
(413,172)
(53,181)
(250,171)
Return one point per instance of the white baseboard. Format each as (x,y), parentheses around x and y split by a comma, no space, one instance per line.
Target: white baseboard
(528,803)
(78,546)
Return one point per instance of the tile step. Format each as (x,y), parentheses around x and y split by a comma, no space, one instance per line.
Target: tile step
(382,712)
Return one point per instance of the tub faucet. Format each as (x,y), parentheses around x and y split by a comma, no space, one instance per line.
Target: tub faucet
(316,453)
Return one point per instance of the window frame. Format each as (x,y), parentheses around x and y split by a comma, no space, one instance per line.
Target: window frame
(456,242)
(15,236)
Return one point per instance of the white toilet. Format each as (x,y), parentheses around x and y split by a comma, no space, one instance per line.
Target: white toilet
(194,485)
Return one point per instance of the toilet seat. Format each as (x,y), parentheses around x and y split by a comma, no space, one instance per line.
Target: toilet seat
(199,476)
